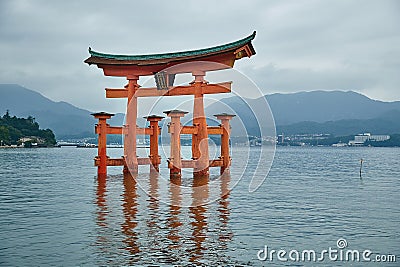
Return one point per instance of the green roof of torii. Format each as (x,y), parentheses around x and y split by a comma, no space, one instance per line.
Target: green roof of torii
(192,53)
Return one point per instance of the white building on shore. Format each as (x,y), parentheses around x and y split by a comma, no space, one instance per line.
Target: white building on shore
(360,139)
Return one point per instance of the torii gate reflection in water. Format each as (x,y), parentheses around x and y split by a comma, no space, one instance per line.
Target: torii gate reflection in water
(164,67)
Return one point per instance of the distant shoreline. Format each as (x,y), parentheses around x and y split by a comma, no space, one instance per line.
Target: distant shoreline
(277,146)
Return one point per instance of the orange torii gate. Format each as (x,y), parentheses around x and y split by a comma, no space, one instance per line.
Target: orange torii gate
(134,66)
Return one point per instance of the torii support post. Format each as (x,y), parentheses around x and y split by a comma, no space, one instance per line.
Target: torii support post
(102,141)
(131,118)
(155,158)
(175,161)
(226,131)
(200,140)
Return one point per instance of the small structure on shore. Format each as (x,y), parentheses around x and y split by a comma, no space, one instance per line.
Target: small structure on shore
(164,67)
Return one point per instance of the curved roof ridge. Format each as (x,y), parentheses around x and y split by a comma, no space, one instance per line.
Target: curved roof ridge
(197,52)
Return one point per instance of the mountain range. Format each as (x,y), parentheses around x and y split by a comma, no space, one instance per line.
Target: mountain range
(334,112)
(66,120)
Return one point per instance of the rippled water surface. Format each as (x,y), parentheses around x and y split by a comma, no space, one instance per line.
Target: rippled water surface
(55,212)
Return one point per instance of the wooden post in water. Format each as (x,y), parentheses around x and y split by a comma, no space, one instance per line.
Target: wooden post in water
(155,158)
(101,130)
(361,163)
(131,118)
(200,140)
(226,131)
(175,161)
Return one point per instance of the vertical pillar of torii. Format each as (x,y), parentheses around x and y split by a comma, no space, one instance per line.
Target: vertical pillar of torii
(155,158)
(101,130)
(226,131)
(175,161)
(200,139)
(130,126)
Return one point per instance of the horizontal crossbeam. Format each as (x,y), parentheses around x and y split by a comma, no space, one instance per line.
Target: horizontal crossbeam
(173,91)
(194,129)
(119,130)
(192,163)
(215,130)
(121,161)
(189,130)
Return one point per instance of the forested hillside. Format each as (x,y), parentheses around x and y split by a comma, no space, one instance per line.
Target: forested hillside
(13,130)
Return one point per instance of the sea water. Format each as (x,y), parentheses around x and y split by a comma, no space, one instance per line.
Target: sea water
(55,212)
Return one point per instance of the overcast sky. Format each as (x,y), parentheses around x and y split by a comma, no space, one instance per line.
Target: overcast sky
(300,45)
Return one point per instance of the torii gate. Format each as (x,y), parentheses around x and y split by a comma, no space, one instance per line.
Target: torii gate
(134,66)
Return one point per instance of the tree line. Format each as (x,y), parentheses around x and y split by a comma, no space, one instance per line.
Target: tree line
(12,129)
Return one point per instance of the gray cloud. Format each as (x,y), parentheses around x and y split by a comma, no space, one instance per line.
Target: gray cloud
(301,45)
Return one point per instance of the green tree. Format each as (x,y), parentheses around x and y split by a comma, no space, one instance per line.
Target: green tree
(7,115)
(15,134)
(4,135)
